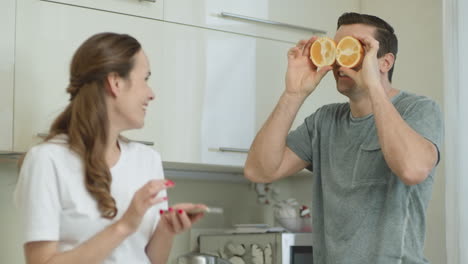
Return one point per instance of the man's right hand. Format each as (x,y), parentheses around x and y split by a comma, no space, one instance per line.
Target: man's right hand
(302,76)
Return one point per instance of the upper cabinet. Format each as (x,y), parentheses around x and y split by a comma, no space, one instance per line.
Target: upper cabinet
(209,94)
(264,18)
(273,19)
(7,65)
(46,38)
(215,83)
(141,8)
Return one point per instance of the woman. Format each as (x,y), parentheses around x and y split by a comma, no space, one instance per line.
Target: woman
(87,195)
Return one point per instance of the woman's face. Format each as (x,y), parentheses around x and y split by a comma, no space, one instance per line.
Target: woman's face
(135,95)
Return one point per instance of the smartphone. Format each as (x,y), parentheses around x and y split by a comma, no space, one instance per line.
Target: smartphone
(209,210)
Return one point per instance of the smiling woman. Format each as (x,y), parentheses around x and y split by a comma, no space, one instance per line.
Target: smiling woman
(86,194)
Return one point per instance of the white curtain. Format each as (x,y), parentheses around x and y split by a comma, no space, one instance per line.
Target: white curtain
(456,128)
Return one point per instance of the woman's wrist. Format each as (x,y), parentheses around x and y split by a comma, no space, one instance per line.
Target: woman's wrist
(164,231)
(122,229)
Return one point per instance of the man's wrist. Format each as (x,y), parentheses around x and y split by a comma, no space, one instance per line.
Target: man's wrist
(377,92)
(294,98)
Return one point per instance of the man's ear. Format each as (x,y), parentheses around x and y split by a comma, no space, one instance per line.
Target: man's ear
(113,84)
(386,62)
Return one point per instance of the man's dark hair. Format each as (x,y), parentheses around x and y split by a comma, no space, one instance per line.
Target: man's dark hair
(384,33)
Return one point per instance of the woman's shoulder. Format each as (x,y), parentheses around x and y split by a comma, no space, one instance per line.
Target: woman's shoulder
(56,146)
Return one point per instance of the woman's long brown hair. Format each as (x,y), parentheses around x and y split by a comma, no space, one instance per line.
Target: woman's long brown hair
(85,119)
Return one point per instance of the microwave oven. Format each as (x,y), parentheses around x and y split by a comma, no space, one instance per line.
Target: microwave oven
(263,248)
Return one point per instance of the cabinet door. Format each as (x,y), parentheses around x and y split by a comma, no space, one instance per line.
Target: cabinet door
(7,48)
(142,8)
(217,86)
(47,36)
(220,15)
(311,14)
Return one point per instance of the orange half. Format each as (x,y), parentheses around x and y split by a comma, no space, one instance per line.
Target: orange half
(349,52)
(322,52)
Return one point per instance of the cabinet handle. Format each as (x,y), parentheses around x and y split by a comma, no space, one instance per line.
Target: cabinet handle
(237,150)
(152,1)
(13,155)
(253,19)
(148,143)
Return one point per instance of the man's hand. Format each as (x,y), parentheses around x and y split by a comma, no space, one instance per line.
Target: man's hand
(368,75)
(302,76)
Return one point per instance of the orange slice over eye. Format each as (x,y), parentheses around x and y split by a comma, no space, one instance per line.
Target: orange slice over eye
(349,52)
(322,52)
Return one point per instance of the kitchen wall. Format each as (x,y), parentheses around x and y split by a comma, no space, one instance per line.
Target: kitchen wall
(10,249)
(418,69)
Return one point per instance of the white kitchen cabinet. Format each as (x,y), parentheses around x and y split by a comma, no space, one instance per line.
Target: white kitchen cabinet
(312,14)
(209,14)
(210,93)
(47,36)
(7,65)
(141,8)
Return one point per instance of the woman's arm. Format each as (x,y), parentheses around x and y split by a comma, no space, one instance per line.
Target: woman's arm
(176,220)
(98,247)
(95,250)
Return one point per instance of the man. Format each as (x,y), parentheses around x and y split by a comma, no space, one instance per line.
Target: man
(372,158)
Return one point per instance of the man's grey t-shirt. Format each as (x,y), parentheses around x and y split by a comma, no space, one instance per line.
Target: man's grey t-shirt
(362,212)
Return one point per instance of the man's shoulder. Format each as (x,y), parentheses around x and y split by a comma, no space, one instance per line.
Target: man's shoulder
(410,98)
(407,102)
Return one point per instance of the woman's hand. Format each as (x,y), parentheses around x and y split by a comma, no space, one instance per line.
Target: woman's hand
(178,219)
(142,200)
(302,76)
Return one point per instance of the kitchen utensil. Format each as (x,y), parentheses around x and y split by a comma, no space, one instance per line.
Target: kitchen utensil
(200,258)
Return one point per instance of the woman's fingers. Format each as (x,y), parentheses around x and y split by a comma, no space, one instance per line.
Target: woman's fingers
(184,220)
(150,191)
(178,218)
(156,200)
(174,220)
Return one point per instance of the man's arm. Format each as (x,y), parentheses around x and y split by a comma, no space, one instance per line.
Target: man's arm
(408,154)
(269,158)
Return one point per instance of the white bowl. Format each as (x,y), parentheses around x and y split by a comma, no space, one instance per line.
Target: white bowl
(295,224)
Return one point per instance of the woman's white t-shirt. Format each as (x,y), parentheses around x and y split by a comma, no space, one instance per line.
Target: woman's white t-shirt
(54,204)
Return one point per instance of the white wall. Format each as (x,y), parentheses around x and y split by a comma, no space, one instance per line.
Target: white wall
(10,249)
(418,69)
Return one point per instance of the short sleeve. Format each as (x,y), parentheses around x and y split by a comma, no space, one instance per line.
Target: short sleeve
(37,199)
(300,139)
(425,117)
